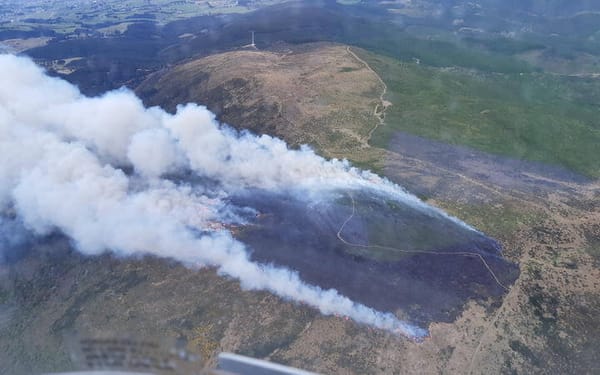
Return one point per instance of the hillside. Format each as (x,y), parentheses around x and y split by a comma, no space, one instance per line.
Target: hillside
(317,94)
(544,215)
(326,95)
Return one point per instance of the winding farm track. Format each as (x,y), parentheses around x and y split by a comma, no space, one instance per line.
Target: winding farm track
(460,253)
(380,115)
(377,112)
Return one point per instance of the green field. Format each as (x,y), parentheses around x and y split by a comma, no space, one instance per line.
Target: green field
(531,116)
(65,17)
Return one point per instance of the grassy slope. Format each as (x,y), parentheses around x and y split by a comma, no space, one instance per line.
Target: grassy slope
(531,116)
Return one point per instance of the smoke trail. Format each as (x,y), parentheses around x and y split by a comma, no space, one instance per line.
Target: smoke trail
(64,162)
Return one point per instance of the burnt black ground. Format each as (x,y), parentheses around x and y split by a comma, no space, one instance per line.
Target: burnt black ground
(299,231)
(423,288)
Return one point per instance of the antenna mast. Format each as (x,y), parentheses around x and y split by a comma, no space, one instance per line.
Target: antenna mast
(251,45)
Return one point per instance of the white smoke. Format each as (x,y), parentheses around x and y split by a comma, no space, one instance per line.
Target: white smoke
(63,158)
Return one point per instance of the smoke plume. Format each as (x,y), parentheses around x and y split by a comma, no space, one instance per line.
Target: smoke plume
(107,172)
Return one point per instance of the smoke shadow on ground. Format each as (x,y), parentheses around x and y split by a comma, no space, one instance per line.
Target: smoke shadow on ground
(449,161)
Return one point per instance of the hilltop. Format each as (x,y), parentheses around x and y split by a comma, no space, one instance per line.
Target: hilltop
(317,94)
(544,215)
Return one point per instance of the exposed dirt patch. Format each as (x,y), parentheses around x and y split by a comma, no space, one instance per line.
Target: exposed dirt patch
(20,45)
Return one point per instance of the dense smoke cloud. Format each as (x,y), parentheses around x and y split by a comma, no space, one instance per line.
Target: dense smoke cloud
(96,170)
